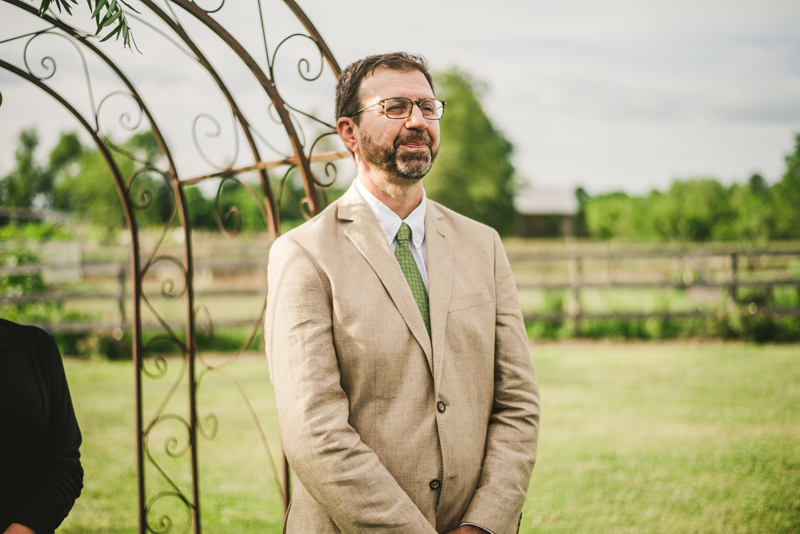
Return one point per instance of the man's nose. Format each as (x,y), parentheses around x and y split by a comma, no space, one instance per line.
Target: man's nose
(416,121)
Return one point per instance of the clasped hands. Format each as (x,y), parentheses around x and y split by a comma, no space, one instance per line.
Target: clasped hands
(467,529)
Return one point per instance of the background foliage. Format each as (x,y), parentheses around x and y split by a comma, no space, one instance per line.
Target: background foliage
(702,209)
(473,174)
(106,14)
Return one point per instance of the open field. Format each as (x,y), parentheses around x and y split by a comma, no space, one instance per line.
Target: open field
(636,438)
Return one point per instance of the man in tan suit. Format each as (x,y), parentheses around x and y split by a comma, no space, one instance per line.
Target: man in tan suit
(406,396)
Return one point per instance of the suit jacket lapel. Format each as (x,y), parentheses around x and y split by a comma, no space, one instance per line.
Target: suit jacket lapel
(440,273)
(365,233)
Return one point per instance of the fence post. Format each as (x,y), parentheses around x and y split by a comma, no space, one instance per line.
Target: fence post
(575,293)
(121,295)
(732,278)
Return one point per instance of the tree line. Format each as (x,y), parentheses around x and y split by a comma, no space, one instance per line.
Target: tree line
(701,209)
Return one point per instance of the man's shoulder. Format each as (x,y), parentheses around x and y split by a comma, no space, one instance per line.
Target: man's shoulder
(319,230)
(461,224)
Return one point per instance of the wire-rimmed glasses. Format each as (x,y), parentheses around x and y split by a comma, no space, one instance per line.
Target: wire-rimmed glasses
(400,108)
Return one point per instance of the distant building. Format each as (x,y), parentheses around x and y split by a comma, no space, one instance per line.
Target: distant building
(545,212)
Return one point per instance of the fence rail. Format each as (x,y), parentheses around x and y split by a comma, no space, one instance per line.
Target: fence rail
(732,282)
(575,283)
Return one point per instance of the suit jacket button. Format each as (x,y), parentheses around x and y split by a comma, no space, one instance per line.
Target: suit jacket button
(435,484)
(441,406)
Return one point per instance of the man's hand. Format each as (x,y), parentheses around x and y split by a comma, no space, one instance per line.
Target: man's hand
(16,528)
(467,529)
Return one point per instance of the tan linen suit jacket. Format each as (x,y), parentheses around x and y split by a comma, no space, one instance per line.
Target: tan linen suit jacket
(371,409)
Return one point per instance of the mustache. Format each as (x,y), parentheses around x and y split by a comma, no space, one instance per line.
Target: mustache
(413,136)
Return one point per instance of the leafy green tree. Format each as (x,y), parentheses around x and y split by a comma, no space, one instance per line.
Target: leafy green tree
(615,215)
(89,191)
(691,210)
(201,209)
(85,185)
(473,174)
(786,196)
(695,207)
(235,195)
(66,152)
(28,181)
(753,212)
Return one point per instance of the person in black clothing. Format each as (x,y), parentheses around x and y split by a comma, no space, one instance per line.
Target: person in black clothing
(40,468)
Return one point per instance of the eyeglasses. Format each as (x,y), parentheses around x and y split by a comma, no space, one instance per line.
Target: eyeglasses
(400,108)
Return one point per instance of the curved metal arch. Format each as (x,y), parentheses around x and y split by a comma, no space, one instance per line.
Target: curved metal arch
(300,160)
(332,63)
(138,269)
(84,40)
(130,218)
(269,87)
(272,222)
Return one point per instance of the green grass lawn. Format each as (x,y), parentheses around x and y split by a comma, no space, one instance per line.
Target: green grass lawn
(667,438)
(636,438)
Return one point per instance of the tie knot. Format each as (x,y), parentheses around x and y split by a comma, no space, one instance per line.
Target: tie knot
(404,233)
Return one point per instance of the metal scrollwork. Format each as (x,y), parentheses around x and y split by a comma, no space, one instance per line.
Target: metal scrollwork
(215,133)
(47,62)
(207,323)
(212,10)
(164,523)
(210,420)
(301,62)
(330,167)
(126,121)
(165,352)
(281,185)
(233,211)
(145,196)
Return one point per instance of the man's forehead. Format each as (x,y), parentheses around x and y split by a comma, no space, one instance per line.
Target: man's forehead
(383,78)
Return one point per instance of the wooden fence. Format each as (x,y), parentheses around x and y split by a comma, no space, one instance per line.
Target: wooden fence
(728,271)
(742,269)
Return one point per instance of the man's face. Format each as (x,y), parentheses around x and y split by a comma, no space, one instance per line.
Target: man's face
(403,148)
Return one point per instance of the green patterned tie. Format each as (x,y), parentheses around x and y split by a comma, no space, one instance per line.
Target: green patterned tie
(411,272)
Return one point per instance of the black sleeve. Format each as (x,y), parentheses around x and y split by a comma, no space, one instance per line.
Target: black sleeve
(61,478)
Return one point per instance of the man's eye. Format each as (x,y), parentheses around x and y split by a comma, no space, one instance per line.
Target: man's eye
(428,107)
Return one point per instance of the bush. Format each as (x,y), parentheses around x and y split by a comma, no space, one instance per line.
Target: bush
(104,345)
(22,284)
(747,322)
(39,231)
(553,303)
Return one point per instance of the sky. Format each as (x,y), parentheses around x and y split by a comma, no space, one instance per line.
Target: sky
(618,95)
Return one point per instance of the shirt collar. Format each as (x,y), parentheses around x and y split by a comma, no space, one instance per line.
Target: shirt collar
(389,220)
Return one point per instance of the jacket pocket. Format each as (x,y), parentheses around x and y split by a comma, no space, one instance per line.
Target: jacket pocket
(470,300)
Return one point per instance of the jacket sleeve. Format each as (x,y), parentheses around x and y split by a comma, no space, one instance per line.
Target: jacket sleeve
(340,472)
(61,474)
(514,423)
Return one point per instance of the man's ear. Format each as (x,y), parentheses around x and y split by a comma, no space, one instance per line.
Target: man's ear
(347,131)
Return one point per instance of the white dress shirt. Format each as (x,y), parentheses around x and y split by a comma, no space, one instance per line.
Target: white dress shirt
(390,223)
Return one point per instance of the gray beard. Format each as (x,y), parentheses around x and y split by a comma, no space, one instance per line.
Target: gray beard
(408,166)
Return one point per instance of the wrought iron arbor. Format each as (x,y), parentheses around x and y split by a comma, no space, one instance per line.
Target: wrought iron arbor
(175,20)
